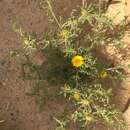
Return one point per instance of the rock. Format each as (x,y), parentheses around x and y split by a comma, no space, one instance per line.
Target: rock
(126,116)
(117,11)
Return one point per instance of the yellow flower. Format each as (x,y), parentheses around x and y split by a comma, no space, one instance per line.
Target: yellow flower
(76,96)
(89,118)
(103,74)
(85,102)
(77,61)
(66,88)
(83,12)
(64,34)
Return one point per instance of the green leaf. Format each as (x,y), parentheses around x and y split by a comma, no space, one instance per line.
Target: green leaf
(129,66)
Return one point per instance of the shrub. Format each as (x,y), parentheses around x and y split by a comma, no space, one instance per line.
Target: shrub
(72,64)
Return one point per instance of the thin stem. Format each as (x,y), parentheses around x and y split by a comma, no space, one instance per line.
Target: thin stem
(53,15)
(83,1)
(99,6)
(114,68)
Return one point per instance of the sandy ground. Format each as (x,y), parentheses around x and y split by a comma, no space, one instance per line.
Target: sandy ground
(18,111)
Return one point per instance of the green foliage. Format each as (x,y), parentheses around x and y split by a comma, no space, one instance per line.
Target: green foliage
(129,65)
(61,124)
(72,65)
(93,105)
(29,41)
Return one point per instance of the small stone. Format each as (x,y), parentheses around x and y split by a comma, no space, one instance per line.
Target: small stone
(4,84)
(1,121)
(126,116)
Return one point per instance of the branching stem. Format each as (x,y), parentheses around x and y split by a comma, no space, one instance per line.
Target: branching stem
(52,13)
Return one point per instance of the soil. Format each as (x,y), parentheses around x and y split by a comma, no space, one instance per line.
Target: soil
(17,110)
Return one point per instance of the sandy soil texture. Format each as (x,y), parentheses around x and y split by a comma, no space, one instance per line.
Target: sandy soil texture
(17,110)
